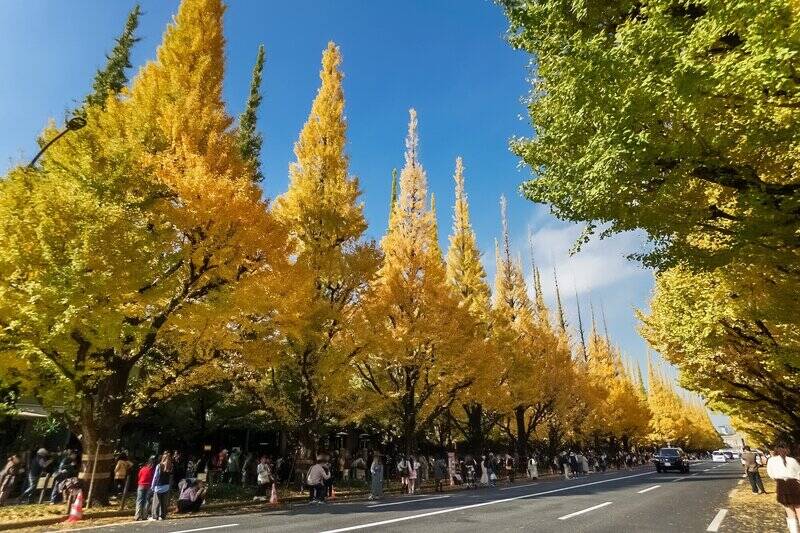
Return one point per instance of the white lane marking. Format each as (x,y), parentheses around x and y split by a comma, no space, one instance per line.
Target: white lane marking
(681,478)
(539,483)
(408,501)
(706,470)
(481,504)
(695,474)
(592,508)
(648,489)
(204,528)
(714,525)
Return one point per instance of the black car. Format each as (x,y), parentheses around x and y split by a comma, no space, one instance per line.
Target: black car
(671,459)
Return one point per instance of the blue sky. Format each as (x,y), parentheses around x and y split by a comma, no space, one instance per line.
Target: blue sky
(447,59)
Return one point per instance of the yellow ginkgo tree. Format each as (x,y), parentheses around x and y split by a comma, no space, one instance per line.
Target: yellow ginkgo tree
(120,257)
(467,278)
(416,339)
(331,266)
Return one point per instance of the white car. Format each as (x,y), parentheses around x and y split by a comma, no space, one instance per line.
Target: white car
(718,457)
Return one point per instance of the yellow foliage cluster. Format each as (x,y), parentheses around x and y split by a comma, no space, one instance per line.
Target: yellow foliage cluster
(139,261)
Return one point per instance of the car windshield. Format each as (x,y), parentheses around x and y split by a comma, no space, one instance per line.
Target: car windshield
(669,452)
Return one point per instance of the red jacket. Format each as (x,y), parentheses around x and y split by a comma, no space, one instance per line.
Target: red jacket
(145,476)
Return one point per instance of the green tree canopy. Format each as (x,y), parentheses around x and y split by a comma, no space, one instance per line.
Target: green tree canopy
(676,117)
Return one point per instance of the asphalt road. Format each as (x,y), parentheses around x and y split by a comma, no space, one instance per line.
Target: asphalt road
(638,500)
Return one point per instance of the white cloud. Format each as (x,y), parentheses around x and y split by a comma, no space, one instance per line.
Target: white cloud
(600,264)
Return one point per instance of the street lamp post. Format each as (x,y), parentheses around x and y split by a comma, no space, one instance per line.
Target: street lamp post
(73,124)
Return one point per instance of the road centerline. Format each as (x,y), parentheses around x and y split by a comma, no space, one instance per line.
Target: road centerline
(583,511)
(204,528)
(481,504)
(408,501)
(648,489)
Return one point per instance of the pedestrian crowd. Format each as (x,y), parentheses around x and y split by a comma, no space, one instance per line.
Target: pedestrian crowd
(170,475)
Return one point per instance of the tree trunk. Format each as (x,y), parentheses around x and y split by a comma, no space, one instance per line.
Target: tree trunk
(100,423)
(475,435)
(306,434)
(410,434)
(410,416)
(521,444)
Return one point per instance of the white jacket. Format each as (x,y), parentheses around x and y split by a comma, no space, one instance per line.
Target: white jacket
(777,470)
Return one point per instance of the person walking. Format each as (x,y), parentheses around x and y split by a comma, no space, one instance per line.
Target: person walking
(264,477)
(492,464)
(121,470)
(232,474)
(484,479)
(8,476)
(413,472)
(376,471)
(564,462)
(439,473)
(786,473)
(162,481)
(751,466)
(329,482)
(583,464)
(143,493)
(402,470)
(423,469)
(533,468)
(573,463)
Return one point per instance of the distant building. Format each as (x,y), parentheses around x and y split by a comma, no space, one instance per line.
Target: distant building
(733,440)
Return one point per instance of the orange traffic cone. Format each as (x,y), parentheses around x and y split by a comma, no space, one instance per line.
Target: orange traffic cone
(76,511)
(273,497)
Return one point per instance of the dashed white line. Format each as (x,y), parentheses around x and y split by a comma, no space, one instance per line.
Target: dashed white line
(714,525)
(681,478)
(587,510)
(648,489)
(481,504)
(408,501)
(204,528)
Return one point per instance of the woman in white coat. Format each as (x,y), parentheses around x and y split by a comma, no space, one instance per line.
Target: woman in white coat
(484,471)
(533,468)
(786,473)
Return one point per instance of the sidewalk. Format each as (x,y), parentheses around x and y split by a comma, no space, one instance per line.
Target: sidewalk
(756,513)
(114,516)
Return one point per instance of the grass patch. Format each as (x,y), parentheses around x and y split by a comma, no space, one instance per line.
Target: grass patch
(749,512)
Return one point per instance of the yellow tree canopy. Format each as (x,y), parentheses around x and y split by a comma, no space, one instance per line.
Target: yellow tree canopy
(127,248)
(417,339)
(537,364)
(731,342)
(331,267)
(465,272)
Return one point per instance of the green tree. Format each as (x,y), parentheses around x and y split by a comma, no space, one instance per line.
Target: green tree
(112,78)
(250,139)
(678,118)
